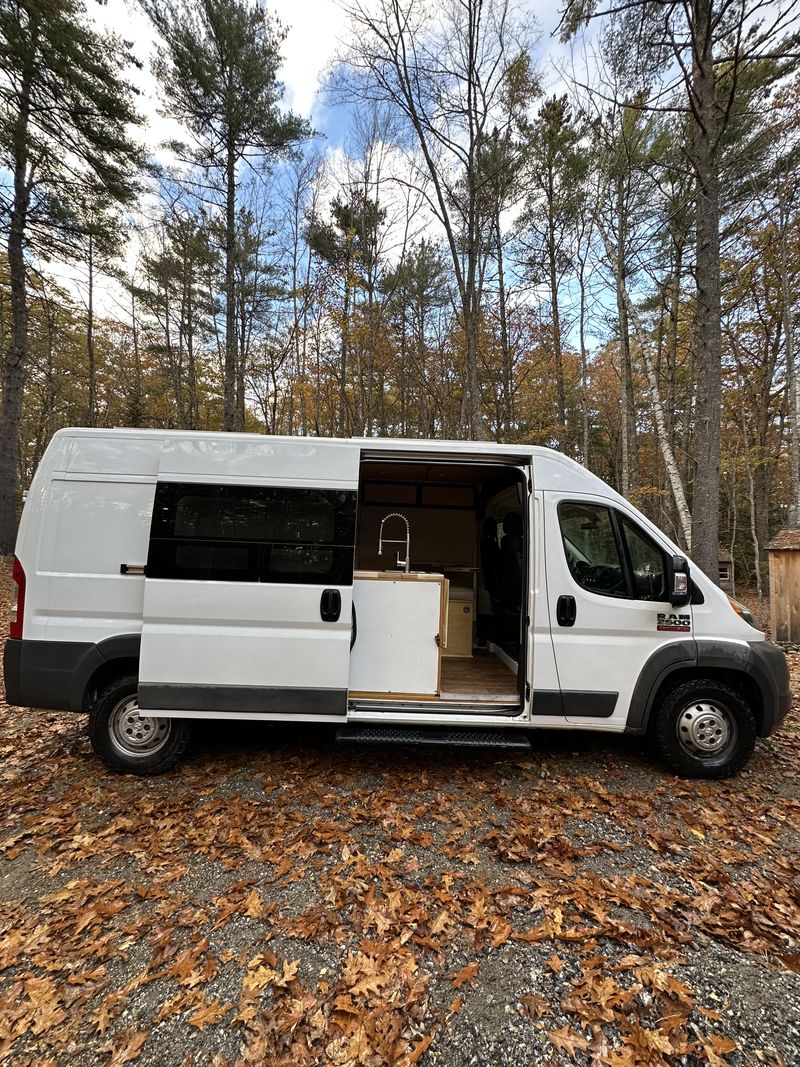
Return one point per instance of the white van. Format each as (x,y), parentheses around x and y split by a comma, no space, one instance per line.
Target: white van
(410,590)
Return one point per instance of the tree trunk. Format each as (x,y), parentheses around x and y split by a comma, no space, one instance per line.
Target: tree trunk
(584,362)
(505,350)
(705,501)
(229,385)
(15,360)
(656,406)
(627,424)
(92,405)
(792,377)
(342,421)
(561,395)
(136,406)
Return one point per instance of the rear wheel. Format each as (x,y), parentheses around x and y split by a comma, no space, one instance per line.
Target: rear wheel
(705,729)
(128,742)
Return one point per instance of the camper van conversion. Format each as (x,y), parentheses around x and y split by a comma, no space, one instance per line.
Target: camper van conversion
(462,592)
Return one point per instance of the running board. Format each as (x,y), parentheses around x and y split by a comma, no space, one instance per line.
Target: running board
(435,708)
(400,735)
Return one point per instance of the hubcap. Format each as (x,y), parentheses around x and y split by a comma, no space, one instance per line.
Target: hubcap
(133,735)
(705,729)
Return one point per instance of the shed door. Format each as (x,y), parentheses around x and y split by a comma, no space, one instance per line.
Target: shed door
(248,589)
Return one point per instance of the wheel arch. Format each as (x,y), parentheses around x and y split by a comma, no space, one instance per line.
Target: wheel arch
(683,661)
(113,658)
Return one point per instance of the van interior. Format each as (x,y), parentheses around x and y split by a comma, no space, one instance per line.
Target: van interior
(468,522)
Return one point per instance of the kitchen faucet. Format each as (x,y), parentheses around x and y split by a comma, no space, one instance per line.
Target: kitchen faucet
(405,563)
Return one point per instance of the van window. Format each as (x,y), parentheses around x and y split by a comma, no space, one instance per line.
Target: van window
(252,534)
(591,548)
(647,562)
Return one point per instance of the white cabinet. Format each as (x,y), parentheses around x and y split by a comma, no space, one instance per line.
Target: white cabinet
(399,620)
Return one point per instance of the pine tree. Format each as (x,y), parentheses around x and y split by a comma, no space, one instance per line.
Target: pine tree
(218,70)
(63,138)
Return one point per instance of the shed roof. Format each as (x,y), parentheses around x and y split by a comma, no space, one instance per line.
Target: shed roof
(787,540)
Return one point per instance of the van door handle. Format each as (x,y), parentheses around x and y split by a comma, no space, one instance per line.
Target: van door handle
(566,611)
(330,605)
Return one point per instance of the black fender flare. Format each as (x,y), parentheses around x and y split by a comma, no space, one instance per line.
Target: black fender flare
(119,647)
(761,664)
(677,655)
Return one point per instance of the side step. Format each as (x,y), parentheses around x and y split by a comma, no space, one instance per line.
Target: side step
(403,735)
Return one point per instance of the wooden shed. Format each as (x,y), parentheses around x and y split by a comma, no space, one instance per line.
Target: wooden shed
(784,585)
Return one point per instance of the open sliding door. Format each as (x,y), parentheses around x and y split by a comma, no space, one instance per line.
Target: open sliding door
(248,588)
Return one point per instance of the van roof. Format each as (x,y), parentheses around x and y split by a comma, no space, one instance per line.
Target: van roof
(553,470)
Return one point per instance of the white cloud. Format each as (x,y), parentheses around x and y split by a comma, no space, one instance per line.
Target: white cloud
(315,28)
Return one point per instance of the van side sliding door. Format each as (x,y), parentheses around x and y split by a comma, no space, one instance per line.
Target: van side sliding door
(248,588)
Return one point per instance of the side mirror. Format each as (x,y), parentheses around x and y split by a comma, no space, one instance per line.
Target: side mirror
(679,584)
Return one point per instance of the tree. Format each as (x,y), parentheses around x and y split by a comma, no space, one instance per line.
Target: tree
(555,170)
(445,71)
(707,47)
(218,70)
(64,139)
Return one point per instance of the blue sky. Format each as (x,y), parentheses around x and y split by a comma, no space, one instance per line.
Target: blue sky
(315,30)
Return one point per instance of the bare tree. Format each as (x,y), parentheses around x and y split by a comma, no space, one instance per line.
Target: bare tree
(445,72)
(704,49)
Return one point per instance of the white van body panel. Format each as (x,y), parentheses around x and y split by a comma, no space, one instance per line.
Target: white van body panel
(264,637)
(89,510)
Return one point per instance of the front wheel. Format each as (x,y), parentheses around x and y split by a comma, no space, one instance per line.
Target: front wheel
(705,729)
(128,742)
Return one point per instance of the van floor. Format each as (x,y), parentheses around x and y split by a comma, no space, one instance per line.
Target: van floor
(483,677)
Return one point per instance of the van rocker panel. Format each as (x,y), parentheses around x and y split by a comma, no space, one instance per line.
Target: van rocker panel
(220,699)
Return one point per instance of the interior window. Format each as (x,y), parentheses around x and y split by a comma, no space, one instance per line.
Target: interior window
(591,548)
(241,516)
(647,561)
(252,534)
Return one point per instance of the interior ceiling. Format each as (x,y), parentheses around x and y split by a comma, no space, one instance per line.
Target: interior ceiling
(437,473)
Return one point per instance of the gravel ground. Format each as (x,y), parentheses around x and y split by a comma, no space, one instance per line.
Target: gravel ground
(281,900)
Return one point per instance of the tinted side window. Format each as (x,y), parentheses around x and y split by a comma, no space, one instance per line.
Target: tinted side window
(591,548)
(647,562)
(252,534)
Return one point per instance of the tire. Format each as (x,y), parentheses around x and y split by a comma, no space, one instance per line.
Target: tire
(704,729)
(128,744)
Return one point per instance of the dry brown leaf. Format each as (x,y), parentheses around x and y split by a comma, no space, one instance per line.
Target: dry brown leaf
(129,1050)
(466,974)
(567,1040)
(209,1012)
(534,1005)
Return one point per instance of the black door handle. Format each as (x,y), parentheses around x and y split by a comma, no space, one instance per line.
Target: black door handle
(330,605)
(566,611)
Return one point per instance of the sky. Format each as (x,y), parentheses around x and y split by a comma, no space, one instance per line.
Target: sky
(316,28)
(315,31)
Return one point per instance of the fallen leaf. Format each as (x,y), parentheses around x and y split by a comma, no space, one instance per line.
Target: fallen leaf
(130,1049)
(466,974)
(534,1005)
(566,1040)
(210,1012)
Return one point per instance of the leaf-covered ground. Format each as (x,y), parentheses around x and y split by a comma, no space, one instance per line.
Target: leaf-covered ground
(278,899)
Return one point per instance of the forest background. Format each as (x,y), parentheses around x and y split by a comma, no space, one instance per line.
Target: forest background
(599,254)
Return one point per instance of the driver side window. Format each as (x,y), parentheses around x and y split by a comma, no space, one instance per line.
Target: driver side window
(591,548)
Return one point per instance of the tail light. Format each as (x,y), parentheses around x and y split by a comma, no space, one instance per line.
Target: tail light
(18,574)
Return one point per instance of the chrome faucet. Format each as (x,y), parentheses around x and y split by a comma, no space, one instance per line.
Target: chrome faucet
(405,563)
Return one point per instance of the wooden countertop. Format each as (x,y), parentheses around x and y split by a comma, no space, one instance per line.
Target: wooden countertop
(397,576)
